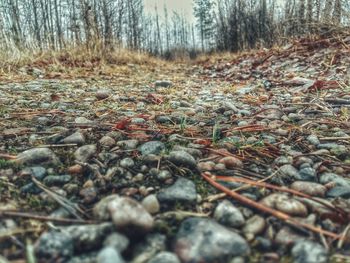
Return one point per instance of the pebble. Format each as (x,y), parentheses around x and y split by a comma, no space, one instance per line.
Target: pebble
(183,190)
(102,94)
(152,147)
(88,237)
(100,210)
(182,158)
(204,240)
(151,204)
(37,172)
(229,215)
(163,84)
(309,188)
(107,141)
(149,247)
(163,175)
(254,225)
(84,153)
(117,241)
(339,191)
(338,180)
(306,251)
(127,163)
(286,236)
(165,257)
(51,180)
(231,162)
(75,138)
(127,212)
(109,255)
(289,172)
(42,156)
(307,174)
(82,120)
(54,247)
(128,144)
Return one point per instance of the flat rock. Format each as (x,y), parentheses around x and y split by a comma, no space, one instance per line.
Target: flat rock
(204,240)
(42,156)
(309,188)
(77,138)
(183,190)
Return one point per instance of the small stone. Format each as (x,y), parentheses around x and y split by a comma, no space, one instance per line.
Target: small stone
(75,169)
(229,215)
(183,190)
(84,153)
(127,212)
(309,188)
(165,257)
(75,138)
(286,236)
(313,139)
(152,147)
(182,158)
(88,237)
(107,142)
(89,195)
(100,210)
(128,144)
(102,94)
(149,247)
(82,120)
(54,247)
(292,207)
(231,162)
(127,163)
(51,180)
(254,225)
(307,174)
(117,241)
(42,156)
(151,204)
(309,252)
(109,255)
(339,191)
(163,175)
(338,180)
(37,172)
(206,166)
(204,240)
(289,171)
(163,84)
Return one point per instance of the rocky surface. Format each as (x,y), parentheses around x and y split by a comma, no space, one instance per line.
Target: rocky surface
(129,166)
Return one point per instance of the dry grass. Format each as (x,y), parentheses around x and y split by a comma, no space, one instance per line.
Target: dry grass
(73,57)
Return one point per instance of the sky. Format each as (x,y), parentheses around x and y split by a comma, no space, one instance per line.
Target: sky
(180,6)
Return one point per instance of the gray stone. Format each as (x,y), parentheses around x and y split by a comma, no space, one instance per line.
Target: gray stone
(151,204)
(54,247)
(309,188)
(289,172)
(163,84)
(326,178)
(87,237)
(339,191)
(313,139)
(102,94)
(77,138)
(309,252)
(146,250)
(183,190)
(42,156)
(165,257)
(84,153)
(128,213)
(307,174)
(182,158)
(107,141)
(100,210)
(117,241)
(109,255)
(37,172)
(204,240)
(82,120)
(128,144)
(51,180)
(163,175)
(152,147)
(127,163)
(229,215)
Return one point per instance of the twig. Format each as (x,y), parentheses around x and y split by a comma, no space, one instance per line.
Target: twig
(280,215)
